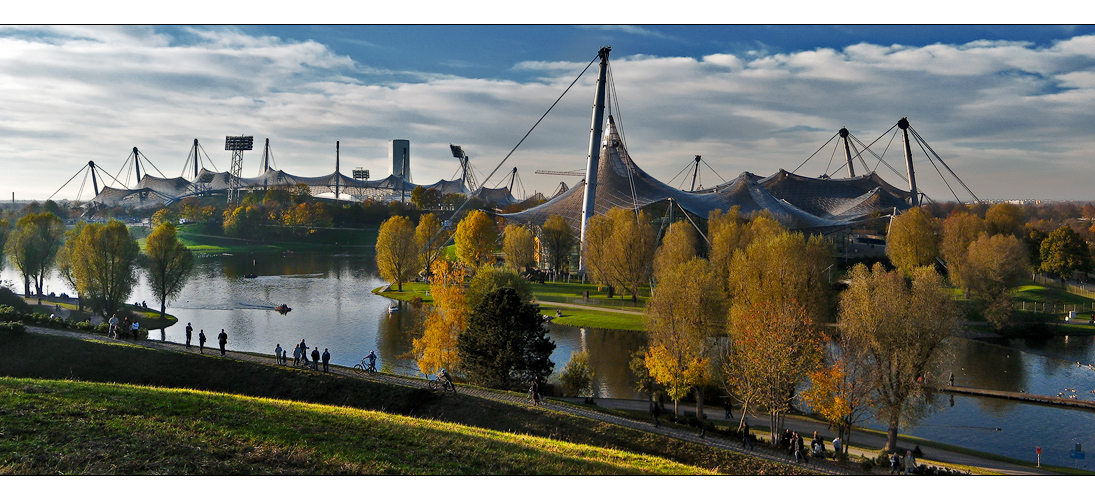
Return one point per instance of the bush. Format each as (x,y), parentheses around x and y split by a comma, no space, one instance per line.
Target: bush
(8,313)
(12,328)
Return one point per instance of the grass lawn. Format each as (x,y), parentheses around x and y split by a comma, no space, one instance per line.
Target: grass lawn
(585,318)
(84,427)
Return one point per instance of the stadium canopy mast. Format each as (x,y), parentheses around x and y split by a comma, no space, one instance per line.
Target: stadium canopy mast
(594,157)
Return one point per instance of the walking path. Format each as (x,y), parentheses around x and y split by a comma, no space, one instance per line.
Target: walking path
(866,444)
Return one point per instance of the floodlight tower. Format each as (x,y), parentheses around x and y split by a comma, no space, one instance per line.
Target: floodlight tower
(237,144)
(467,179)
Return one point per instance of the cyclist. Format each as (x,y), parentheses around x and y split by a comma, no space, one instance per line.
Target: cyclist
(444,375)
(372,360)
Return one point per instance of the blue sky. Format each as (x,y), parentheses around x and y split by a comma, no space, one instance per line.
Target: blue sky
(1009,108)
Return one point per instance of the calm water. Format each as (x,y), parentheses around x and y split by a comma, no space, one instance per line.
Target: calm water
(333,308)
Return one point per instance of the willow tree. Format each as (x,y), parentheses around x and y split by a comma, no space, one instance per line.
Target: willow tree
(396,251)
(558,241)
(900,328)
(779,267)
(678,246)
(475,239)
(619,249)
(33,246)
(913,240)
(170,263)
(518,247)
(101,259)
(685,311)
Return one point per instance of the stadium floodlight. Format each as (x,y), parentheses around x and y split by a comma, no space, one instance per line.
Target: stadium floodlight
(239,142)
(457,151)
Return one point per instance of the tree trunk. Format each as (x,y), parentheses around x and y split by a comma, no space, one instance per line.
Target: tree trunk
(773,423)
(744,412)
(676,412)
(39,282)
(163,307)
(891,436)
(26,286)
(699,404)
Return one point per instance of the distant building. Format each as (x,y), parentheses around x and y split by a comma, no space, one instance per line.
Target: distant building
(399,154)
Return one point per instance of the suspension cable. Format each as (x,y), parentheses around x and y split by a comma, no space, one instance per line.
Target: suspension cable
(815,152)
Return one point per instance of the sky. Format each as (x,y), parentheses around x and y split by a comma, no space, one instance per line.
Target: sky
(1009,108)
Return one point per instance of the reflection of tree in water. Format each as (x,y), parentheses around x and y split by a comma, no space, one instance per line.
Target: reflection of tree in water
(609,354)
(395,336)
(987,366)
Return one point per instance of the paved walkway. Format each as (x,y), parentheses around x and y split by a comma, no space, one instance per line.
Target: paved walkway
(802,426)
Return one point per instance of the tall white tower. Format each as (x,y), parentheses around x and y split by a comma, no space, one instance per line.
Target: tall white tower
(399,154)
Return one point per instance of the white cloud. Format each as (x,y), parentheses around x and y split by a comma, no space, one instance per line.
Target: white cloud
(1010,117)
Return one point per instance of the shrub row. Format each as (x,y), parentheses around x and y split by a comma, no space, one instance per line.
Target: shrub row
(8,315)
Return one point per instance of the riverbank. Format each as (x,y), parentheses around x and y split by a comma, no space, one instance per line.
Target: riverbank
(361,241)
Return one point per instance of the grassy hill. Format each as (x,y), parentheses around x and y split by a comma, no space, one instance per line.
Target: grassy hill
(77,406)
(69,427)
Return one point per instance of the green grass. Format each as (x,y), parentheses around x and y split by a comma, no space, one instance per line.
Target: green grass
(598,296)
(585,318)
(61,358)
(68,427)
(329,240)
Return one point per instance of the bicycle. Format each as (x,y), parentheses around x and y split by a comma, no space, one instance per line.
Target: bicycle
(365,367)
(434,384)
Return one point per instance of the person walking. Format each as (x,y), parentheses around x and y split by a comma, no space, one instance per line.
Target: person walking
(837,447)
(304,350)
(296,355)
(189,332)
(277,354)
(326,360)
(135,328)
(222,337)
(201,341)
(657,412)
(746,436)
(910,463)
(315,358)
(114,326)
(895,464)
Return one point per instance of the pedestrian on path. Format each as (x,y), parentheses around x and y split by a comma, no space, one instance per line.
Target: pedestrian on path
(296,355)
(201,341)
(223,339)
(135,328)
(189,332)
(326,360)
(837,447)
(910,463)
(746,436)
(277,354)
(114,326)
(656,411)
(895,464)
(315,358)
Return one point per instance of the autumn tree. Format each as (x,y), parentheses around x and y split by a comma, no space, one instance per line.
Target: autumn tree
(728,233)
(32,247)
(101,259)
(489,278)
(430,240)
(475,238)
(5,230)
(1004,218)
(619,249)
(913,240)
(686,309)
(1063,252)
(445,319)
(577,377)
(678,246)
(900,328)
(558,241)
(997,265)
(959,231)
(505,343)
(839,390)
(396,252)
(780,267)
(771,347)
(169,264)
(518,247)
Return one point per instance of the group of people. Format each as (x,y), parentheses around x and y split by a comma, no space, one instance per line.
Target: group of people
(119,329)
(793,443)
(909,465)
(222,338)
(300,355)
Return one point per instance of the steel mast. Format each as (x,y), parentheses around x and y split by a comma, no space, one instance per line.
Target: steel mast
(594,157)
(847,150)
(903,124)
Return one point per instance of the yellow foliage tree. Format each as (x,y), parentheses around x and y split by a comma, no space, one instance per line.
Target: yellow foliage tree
(686,310)
(619,249)
(436,349)
(678,246)
(913,240)
(518,247)
(396,253)
(475,239)
(430,240)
